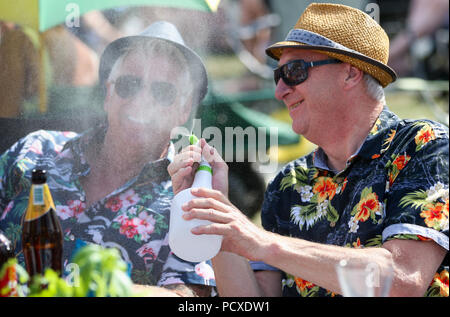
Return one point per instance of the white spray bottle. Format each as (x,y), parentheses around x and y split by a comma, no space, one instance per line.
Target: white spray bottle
(185,244)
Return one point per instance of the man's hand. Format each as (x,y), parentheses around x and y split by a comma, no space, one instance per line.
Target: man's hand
(184,166)
(240,234)
(172,290)
(152,291)
(190,290)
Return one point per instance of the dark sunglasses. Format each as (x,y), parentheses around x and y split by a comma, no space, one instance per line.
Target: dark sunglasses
(127,86)
(295,72)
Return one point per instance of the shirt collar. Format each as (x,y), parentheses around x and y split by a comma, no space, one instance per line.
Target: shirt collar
(380,137)
(320,160)
(376,143)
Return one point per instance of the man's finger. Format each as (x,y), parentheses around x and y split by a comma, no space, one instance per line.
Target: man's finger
(214,228)
(183,160)
(182,179)
(191,148)
(207,214)
(210,193)
(211,155)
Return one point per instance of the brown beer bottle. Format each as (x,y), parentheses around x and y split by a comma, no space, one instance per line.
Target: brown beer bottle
(42,238)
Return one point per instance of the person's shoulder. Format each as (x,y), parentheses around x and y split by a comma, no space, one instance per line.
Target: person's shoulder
(290,168)
(421,133)
(438,129)
(51,134)
(44,135)
(41,140)
(419,140)
(301,162)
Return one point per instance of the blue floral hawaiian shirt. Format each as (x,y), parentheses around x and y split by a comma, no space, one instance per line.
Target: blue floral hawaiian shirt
(134,218)
(395,187)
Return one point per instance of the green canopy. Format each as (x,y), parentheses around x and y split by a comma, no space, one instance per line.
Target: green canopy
(44,14)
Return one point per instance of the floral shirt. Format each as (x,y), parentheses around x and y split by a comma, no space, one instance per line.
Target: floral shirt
(395,187)
(134,218)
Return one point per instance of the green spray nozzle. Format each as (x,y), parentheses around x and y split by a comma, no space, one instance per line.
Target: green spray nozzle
(204,165)
(193,139)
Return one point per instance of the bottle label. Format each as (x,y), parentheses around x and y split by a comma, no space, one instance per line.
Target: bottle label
(39,203)
(38,195)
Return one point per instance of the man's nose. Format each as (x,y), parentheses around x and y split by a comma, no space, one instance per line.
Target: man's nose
(281,89)
(143,95)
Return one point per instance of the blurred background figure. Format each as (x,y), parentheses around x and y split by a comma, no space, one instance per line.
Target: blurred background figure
(73,63)
(68,61)
(19,62)
(255,34)
(71,59)
(420,49)
(97,28)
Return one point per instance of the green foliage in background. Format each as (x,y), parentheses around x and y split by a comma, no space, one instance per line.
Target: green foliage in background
(98,272)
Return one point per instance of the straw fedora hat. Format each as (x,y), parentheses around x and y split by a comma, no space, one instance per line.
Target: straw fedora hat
(164,31)
(344,33)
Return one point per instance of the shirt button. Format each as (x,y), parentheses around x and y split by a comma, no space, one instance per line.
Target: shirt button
(339,180)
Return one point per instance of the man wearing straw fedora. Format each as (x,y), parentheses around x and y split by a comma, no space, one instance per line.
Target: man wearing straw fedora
(373,194)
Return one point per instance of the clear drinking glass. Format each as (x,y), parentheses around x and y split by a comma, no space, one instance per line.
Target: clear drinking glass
(358,280)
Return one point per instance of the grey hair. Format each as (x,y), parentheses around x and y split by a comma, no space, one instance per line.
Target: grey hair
(374,88)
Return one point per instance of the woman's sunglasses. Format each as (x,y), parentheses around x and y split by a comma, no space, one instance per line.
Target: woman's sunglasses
(127,86)
(295,72)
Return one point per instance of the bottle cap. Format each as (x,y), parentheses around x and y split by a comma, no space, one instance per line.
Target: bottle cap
(38,176)
(204,165)
(193,139)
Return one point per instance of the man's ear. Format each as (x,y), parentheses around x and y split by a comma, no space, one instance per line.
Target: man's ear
(353,76)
